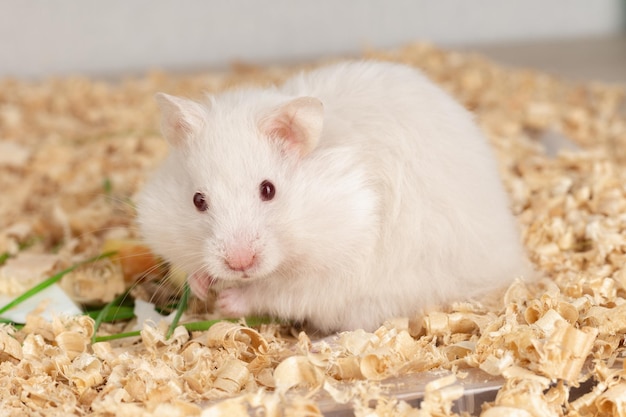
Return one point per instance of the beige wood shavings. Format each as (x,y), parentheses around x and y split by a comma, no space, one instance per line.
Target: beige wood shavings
(297,371)
(80,150)
(564,353)
(13,154)
(24,271)
(97,283)
(10,348)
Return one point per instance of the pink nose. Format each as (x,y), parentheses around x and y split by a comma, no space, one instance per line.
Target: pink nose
(240,259)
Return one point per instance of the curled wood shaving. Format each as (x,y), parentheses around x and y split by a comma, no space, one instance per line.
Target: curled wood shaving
(10,348)
(297,371)
(235,336)
(613,401)
(564,353)
(95,283)
(232,376)
(22,272)
(440,395)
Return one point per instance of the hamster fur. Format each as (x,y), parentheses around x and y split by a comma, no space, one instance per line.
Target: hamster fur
(351,194)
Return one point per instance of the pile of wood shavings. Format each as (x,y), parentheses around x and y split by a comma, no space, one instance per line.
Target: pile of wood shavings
(73,153)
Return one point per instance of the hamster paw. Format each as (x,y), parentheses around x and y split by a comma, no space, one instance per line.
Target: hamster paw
(231,303)
(199,284)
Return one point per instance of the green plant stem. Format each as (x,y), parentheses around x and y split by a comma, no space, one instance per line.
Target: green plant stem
(104,313)
(12,323)
(115,313)
(180,309)
(195,326)
(115,336)
(50,281)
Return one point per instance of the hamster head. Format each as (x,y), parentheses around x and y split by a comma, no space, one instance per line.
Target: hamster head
(232,201)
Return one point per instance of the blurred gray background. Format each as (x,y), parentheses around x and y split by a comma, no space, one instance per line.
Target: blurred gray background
(577,38)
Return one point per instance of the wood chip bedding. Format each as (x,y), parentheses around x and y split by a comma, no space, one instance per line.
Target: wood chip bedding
(74,151)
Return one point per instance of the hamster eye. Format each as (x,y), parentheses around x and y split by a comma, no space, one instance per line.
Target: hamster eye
(199,200)
(267,190)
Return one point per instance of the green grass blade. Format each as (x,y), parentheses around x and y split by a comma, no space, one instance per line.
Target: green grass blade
(192,327)
(180,309)
(116,313)
(18,326)
(116,336)
(107,186)
(104,313)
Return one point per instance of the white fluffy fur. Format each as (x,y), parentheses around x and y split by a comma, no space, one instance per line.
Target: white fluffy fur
(398,207)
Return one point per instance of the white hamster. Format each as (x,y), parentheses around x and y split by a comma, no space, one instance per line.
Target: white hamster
(351,194)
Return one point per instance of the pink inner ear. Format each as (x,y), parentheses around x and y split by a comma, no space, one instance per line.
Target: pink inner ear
(297,123)
(181,118)
(284,131)
(180,125)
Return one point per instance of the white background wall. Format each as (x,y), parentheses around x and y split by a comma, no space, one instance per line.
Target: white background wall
(46,37)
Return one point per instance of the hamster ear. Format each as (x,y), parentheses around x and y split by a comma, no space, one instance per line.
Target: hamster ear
(299,123)
(180,118)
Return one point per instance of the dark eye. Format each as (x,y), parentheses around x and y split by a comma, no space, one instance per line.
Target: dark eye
(199,200)
(267,190)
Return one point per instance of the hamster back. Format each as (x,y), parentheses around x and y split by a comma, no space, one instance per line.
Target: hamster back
(349,195)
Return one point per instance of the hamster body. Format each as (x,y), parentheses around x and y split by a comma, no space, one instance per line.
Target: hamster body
(349,195)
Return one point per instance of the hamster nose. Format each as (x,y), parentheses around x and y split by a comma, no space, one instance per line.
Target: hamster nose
(240,258)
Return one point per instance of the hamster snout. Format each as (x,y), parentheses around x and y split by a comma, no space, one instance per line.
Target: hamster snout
(240,256)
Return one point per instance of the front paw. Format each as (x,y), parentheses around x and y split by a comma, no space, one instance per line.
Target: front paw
(199,284)
(232,302)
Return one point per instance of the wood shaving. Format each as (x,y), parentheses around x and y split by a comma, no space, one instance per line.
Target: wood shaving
(74,152)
